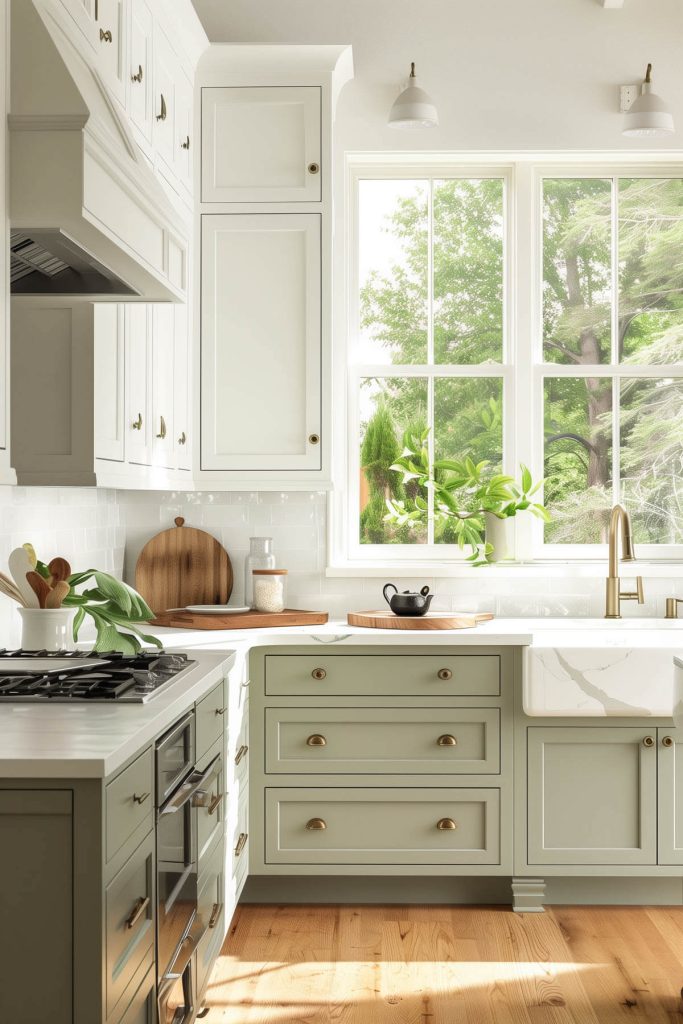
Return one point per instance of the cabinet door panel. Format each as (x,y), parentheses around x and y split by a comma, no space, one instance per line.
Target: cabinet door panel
(261,145)
(162,385)
(592,796)
(670,796)
(109,381)
(138,380)
(181,386)
(141,69)
(112,45)
(165,71)
(261,342)
(184,143)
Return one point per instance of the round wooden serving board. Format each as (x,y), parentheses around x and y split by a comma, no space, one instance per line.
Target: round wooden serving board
(183,566)
(432,620)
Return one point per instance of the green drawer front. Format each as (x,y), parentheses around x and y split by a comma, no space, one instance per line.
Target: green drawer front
(381,826)
(441,741)
(129,802)
(238,836)
(129,925)
(210,719)
(211,911)
(142,1007)
(355,675)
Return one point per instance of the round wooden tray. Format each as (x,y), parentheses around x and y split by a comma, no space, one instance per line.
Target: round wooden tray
(183,566)
(432,620)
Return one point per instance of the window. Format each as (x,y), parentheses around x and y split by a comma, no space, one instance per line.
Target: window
(513,314)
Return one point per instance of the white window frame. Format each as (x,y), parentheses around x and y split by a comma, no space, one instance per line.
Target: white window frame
(522,370)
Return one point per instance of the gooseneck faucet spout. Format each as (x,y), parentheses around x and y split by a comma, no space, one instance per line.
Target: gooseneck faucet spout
(614,594)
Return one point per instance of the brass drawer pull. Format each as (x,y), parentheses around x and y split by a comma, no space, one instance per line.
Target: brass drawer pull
(668,741)
(446,824)
(316,825)
(162,428)
(220,711)
(161,116)
(316,740)
(140,799)
(137,424)
(318,673)
(241,843)
(447,740)
(138,76)
(313,168)
(105,36)
(138,910)
(241,753)
(186,143)
(214,803)
(182,439)
(215,914)
(444,673)
(649,741)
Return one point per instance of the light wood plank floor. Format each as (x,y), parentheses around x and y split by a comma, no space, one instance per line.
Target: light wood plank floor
(449,965)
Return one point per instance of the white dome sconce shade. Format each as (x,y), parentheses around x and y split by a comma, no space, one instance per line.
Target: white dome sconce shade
(414,107)
(648,114)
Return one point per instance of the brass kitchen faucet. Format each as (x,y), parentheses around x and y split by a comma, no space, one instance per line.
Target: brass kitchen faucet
(614,594)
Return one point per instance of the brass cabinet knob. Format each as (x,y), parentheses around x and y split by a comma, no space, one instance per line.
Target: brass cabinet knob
(668,741)
(314,438)
(649,741)
(241,843)
(137,912)
(105,36)
(162,428)
(316,740)
(139,798)
(316,825)
(186,143)
(220,711)
(446,825)
(318,673)
(444,673)
(137,77)
(137,424)
(161,116)
(447,740)
(183,438)
(313,168)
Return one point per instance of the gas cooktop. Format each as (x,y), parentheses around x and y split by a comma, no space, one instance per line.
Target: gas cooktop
(68,676)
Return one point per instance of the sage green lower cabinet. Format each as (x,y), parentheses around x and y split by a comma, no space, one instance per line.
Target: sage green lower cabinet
(592,795)
(670,763)
(142,1009)
(129,920)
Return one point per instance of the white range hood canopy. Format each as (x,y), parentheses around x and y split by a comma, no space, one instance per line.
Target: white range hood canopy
(78,182)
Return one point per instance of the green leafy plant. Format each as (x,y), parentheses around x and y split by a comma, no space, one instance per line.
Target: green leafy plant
(463,491)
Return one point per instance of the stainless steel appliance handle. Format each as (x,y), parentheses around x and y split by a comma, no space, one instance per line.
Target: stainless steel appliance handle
(188,790)
(202,795)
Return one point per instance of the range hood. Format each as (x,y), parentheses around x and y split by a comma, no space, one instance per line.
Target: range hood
(88,216)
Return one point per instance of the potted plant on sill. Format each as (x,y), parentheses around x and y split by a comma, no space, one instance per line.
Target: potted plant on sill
(476,503)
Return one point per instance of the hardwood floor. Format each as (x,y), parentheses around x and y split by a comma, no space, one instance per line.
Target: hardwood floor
(449,965)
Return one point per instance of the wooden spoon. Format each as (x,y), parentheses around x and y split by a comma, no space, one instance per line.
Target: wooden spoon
(39,586)
(55,597)
(20,564)
(11,589)
(60,570)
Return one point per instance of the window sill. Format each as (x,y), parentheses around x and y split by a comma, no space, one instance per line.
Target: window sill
(540,569)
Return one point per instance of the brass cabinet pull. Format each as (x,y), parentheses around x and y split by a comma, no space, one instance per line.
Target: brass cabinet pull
(446,824)
(220,711)
(668,741)
(162,428)
(183,438)
(161,116)
(444,673)
(316,740)
(318,673)
(241,753)
(137,424)
(138,76)
(140,798)
(313,168)
(649,741)
(215,914)
(137,912)
(105,36)
(447,740)
(214,803)
(241,843)
(314,438)
(316,825)
(186,143)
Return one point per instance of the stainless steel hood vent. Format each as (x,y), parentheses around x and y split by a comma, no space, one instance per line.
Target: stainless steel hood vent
(51,263)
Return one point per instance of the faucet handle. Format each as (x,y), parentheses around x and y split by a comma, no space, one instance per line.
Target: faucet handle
(672,604)
(634,595)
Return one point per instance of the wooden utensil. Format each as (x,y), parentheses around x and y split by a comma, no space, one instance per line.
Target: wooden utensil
(10,588)
(20,564)
(39,586)
(57,593)
(59,569)
(183,566)
(432,620)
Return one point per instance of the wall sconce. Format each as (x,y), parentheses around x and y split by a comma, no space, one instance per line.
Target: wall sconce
(413,108)
(648,114)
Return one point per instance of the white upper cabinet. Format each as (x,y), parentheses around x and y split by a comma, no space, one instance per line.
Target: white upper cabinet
(165,76)
(83,14)
(181,388)
(109,362)
(112,45)
(163,330)
(141,96)
(261,144)
(138,429)
(261,342)
(184,151)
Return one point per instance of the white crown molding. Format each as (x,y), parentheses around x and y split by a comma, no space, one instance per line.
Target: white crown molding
(47,122)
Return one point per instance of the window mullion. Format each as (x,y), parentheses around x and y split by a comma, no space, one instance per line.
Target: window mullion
(430,353)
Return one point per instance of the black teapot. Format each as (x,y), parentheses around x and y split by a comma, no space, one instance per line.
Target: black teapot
(408,603)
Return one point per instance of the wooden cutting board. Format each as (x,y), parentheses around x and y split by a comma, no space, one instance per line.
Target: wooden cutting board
(432,620)
(181,619)
(183,566)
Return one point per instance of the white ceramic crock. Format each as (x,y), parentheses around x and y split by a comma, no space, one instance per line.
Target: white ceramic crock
(501,534)
(47,629)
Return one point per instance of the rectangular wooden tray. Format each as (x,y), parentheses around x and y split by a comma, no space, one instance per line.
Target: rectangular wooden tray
(179,619)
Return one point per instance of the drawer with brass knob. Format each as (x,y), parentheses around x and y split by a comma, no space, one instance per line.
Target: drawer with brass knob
(411,675)
(382,826)
(350,741)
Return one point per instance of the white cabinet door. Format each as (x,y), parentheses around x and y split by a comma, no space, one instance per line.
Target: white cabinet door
(165,74)
(670,796)
(141,104)
(163,448)
(83,14)
(261,144)
(138,382)
(184,151)
(109,356)
(112,45)
(181,386)
(261,342)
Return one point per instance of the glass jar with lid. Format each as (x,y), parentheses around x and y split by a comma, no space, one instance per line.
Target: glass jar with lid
(260,557)
(270,587)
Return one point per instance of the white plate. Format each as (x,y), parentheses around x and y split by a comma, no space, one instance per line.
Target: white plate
(21,666)
(225,609)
